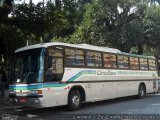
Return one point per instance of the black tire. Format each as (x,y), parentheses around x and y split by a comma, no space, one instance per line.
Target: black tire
(74,100)
(141,91)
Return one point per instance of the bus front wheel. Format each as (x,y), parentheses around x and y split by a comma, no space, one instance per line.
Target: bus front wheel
(74,101)
(141,91)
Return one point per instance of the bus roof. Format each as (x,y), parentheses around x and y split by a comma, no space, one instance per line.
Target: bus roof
(82,46)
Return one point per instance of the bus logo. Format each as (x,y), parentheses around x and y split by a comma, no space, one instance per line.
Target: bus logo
(20,91)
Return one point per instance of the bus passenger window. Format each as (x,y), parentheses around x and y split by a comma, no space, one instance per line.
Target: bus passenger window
(109,60)
(143,64)
(93,59)
(152,64)
(90,59)
(123,62)
(134,63)
(74,57)
(98,59)
(55,65)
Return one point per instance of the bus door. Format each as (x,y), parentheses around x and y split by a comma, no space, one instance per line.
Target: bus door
(158,70)
(54,71)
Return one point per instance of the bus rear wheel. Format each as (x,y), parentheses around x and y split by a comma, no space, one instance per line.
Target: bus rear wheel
(74,101)
(141,91)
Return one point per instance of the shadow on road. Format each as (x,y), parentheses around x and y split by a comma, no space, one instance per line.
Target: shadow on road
(25,110)
(42,113)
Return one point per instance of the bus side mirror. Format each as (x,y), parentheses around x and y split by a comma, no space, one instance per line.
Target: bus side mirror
(49,62)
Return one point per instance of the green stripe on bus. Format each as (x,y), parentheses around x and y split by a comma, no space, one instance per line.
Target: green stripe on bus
(49,85)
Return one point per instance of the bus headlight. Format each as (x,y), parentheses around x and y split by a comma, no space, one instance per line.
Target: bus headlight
(34,92)
(37,101)
(12,92)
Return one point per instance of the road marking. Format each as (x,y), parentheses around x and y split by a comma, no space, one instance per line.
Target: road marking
(158,104)
(31,116)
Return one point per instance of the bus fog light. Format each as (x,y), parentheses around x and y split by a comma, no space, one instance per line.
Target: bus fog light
(15,100)
(37,101)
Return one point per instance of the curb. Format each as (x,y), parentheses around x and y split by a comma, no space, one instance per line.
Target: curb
(4,101)
(157,92)
(10,108)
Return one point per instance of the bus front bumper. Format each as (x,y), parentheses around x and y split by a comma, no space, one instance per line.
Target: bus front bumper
(27,102)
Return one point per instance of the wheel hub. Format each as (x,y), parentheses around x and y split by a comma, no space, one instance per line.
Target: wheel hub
(141,91)
(75,100)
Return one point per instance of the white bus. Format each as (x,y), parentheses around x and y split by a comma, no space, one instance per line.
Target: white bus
(54,74)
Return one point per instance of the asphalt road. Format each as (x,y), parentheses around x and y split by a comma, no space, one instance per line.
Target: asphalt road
(147,108)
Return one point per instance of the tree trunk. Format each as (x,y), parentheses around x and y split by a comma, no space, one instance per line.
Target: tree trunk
(140,48)
(58,4)
(30,2)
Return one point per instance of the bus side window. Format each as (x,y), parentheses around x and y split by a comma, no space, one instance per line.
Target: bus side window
(152,64)
(55,65)
(109,60)
(93,59)
(123,62)
(74,57)
(90,59)
(134,63)
(98,59)
(143,64)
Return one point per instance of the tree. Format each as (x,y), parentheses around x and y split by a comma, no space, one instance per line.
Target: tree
(11,38)
(113,23)
(6,8)
(155,1)
(152,28)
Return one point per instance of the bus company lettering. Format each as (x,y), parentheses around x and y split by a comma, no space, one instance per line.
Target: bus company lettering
(100,72)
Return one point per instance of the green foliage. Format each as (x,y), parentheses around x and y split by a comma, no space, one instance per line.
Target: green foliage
(122,24)
(113,23)
(39,19)
(5,8)
(11,38)
(152,28)
(43,22)
(86,29)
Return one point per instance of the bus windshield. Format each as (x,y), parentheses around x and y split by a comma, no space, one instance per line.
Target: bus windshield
(29,66)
